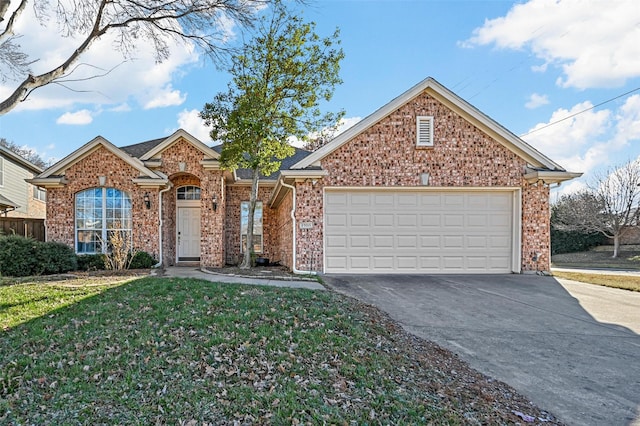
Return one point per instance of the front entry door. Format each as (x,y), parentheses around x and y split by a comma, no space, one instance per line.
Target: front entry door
(188,238)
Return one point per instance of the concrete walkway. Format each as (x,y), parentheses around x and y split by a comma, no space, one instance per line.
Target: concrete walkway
(195,272)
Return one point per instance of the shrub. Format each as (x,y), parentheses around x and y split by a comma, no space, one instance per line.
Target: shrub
(55,258)
(573,241)
(91,262)
(142,260)
(18,255)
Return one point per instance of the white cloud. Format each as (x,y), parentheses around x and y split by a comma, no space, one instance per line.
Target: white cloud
(536,100)
(190,121)
(78,118)
(103,76)
(591,139)
(595,43)
(165,97)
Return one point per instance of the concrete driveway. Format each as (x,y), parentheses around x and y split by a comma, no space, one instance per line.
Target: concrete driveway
(571,348)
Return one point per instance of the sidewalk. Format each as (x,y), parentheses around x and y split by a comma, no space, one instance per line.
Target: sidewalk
(195,272)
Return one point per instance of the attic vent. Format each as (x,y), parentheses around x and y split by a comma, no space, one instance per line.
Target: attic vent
(425,131)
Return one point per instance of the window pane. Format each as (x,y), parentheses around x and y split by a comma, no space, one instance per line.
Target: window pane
(257,226)
(92,220)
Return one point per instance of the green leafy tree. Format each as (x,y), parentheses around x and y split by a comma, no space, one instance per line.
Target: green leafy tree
(279,79)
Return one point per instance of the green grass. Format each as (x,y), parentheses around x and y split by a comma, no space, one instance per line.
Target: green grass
(627,259)
(625,282)
(173,351)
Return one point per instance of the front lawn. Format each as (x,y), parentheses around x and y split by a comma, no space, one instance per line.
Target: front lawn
(628,258)
(190,352)
(624,282)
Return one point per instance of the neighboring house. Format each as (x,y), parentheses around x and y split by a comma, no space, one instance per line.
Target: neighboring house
(18,198)
(427,183)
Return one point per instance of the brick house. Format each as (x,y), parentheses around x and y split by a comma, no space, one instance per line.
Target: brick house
(427,183)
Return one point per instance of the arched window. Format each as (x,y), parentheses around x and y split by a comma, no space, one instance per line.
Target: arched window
(99,213)
(188,193)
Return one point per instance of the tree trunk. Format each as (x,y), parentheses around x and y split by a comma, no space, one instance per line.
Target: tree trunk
(248,252)
(616,245)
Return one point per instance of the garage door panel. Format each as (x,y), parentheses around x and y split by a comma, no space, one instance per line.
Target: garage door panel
(429,241)
(454,221)
(383,241)
(429,220)
(382,263)
(476,241)
(407,241)
(360,220)
(374,231)
(409,263)
(336,219)
(477,221)
(407,220)
(360,241)
(453,241)
(336,241)
(383,220)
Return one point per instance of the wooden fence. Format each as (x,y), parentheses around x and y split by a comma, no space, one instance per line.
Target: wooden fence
(33,228)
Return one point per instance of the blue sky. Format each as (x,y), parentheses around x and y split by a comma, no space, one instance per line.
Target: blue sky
(525,64)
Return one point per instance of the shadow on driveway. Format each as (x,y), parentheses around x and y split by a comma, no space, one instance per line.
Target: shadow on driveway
(569,347)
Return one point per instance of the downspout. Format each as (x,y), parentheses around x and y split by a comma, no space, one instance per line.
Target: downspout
(159,264)
(295,243)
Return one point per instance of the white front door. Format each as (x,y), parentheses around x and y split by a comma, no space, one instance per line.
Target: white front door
(188,238)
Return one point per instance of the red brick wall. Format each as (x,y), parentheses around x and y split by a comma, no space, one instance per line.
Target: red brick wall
(211,184)
(236,194)
(284,230)
(462,156)
(84,175)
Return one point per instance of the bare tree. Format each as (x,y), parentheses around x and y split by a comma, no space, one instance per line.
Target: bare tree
(28,154)
(133,22)
(609,206)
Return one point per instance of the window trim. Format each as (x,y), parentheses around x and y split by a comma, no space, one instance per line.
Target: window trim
(424,137)
(261,234)
(104,230)
(1,172)
(39,194)
(197,193)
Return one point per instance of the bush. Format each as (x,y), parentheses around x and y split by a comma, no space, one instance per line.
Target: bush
(142,260)
(55,258)
(91,262)
(573,241)
(18,255)
(21,257)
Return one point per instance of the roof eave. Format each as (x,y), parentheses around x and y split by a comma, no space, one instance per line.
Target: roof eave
(550,176)
(48,182)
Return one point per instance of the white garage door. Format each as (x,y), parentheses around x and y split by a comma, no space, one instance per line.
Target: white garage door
(385,231)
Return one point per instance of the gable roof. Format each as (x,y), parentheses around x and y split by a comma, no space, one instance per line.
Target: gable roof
(5,152)
(454,102)
(88,148)
(173,138)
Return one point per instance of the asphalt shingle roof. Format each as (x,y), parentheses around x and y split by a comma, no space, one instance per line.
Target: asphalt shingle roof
(139,149)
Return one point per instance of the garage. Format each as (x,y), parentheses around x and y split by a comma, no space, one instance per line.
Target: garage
(426,230)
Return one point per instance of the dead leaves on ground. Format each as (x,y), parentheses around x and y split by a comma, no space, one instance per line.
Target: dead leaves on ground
(186,352)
